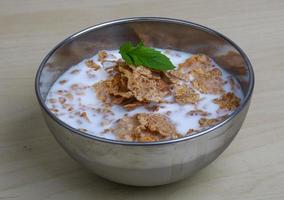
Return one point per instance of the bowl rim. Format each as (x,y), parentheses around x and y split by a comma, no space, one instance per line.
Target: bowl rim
(141,19)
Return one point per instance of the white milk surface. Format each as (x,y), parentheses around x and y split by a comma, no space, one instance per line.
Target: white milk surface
(84,99)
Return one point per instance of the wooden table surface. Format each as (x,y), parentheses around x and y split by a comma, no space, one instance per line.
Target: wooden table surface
(33,166)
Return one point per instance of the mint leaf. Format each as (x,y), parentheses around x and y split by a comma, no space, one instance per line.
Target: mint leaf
(145,56)
(126,47)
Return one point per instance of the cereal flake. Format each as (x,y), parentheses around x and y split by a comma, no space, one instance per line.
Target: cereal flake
(228,101)
(185,94)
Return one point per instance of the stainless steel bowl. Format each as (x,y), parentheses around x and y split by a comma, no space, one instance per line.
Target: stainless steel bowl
(153,163)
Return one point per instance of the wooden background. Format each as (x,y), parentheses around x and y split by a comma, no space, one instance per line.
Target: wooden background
(33,166)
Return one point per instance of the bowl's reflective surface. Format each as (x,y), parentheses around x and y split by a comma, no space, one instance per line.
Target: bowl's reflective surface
(149,163)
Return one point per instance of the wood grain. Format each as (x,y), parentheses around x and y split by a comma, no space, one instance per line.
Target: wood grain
(33,166)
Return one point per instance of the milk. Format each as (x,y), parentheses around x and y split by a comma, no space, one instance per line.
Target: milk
(85,99)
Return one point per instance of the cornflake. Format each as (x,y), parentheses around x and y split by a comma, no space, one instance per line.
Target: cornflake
(117,86)
(156,123)
(152,107)
(62,82)
(101,92)
(115,91)
(102,56)
(175,76)
(91,64)
(125,128)
(132,85)
(228,101)
(84,115)
(197,60)
(198,112)
(52,100)
(185,94)
(205,122)
(54,110)
(145,86)
(190,131)
(144,127)
(67,107)
(132,105)
(75,71)
(206,77)
(69,96)
(232,84)
(61,100)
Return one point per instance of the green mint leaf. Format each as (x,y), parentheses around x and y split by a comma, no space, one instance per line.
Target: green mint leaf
(145,56)
(123,50)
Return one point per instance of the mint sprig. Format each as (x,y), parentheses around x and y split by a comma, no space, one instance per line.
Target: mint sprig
(148,57)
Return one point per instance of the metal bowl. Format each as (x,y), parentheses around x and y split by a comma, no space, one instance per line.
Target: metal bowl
(153,163)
